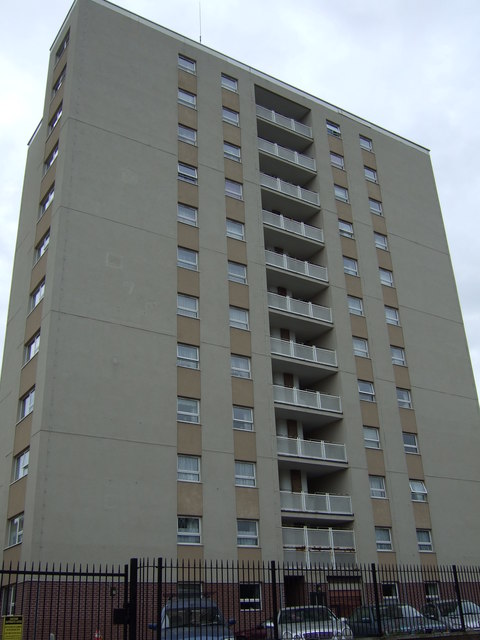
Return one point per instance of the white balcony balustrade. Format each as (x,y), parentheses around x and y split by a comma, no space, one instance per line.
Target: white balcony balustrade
(289,189)
(308,399)
(299,159)
(305,352)
(292,226)
(284,121)
(316,503)
(299,307)
(313,449)
(302,267)
(318,546)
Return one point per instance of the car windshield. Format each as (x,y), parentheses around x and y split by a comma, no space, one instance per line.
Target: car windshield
(307,615)
(191,617)
(397,612)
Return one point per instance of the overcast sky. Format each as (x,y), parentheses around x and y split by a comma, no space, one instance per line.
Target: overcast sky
(410,66)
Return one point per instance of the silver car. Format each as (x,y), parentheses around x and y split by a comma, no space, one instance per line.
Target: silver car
(311,623)
(448,612)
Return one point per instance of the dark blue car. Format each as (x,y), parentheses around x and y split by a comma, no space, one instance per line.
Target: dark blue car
(193,619)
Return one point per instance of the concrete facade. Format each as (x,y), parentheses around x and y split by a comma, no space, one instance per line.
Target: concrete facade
(103,438)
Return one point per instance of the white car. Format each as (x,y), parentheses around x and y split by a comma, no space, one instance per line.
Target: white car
(311,623)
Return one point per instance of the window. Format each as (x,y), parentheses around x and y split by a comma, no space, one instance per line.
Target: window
(418,491)
(187,259)
(366,143)
(238,318)
(237,272)
(41,247)
(345,228)
(15,530)
(232,152)
(245,474)
(355,306)
(230,116)
(383,539)
(187,99)
(398,356)
(189,589)
(240,367)
(377,487)
(333,129)
(410,442)
(360,347)
(47,201)
(381,241)
(186,134)
(337,160)
(187,215)
(250,596)
(391,316)
(55,119)
(233,189)
(341,193)
(187,306)
(187,173)
(20,465)
(32,347)
(229,83)
(366,391)
(371,437)
(50,159)
(404,398)
(247,533)
(235,229)
(37,295)
(63,46)
(375,206)
(386,277)
(187,64)
(350,266)
(188,530)
(59,82)
(390,590)
(188,468)
(370,174)
(187,356)
(431,590)
(188,410)
(8,597)
(243,418)
(424,539)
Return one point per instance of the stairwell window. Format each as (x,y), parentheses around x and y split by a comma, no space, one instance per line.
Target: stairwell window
(345,229)
(350,266)
(333,129)
(188,410)
(341,193)
(238,318)
(418,491)
(383,539)
(381,241)
(410,442)
(370,174)
(187,64)
(47,201)
(336,160)
(187,173)
(404,398)
(234,189)
(247,533)
(237,272)
(15,530)
(245,474)
(188,530)
(187,306)
(235,229)
(398,356)
(188,468)
(32,347)
(366,391)
(187,134)
(37,295)
(60,80)
(41,247)
(242,418)
(232,152)
(187,99)
(50,159)
(355,305)
(26,404)
(371,437)
(377,487)
(386,277)
(424,539)
(375,207)
(229,83)
(366,143)
(240,367)
(360,347)
(187,259)
(55,119)
(392,316)
(20,465)
(231,116)
(187,214)
(63,46)
(187,356)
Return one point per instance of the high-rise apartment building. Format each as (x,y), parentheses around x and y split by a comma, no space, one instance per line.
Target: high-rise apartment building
(233,329)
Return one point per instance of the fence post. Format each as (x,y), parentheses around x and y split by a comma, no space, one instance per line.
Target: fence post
(159,594)
(377,599)
(132,608)
(273,575)
(457,593)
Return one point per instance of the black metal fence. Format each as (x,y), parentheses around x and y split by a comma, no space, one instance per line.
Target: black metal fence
(260,601)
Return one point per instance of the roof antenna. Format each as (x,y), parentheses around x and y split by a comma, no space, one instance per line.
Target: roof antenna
(200,18)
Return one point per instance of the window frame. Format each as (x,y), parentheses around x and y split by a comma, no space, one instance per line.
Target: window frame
(15,530)
(183,135)
(245,535)
(243,325)
(20,464)
(418,493)
(398,360)
(377,492)
(364,394)
(41,247)
(26,404)
(190,65)
(230,151)
(229,83)
(185,361)
(357,348)
(232,234)
(386,544)
(337,160)
(187,98)
(196,474)
(245,479)
(366,439)
(392,318)
(424,546)
(406,402)
(333,129)
(63,45)
(411,449)
(59,81)
(236,420)
(183,532)
(46,201)
(55,119)
(341,193)
(375,207)
(233,189)
(192,220)
(350,266)
(352,310)
(31,348)
(370,174)
(381,241)
(183,310)
(237,371)
(187,173)
(50,159)
(347,230)
(386,277)
(237,277)
(365,143)
(183,415)
(184,261)
(250,603)
(231,116)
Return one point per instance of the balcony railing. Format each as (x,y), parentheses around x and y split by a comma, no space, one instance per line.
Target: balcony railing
(302,267)
(318,546)
(305,352)
(316,503)
(283,121)
(314,449)
(292,226)
(307,399)
(289,189)
(274,149)
(299,307)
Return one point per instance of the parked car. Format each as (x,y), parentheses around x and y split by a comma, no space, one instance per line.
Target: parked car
(193,619)
(395,618)
(261,631)
(448,612)
(311,622)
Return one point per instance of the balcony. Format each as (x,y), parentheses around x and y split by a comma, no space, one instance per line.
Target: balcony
(306,406)
(287,270)
(312,450)
(318,546)
(315,505)
(298,238)
(309,363)
(284,162)
(287,131)
(280,194)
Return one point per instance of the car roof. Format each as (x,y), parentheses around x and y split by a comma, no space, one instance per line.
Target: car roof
(192,602)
